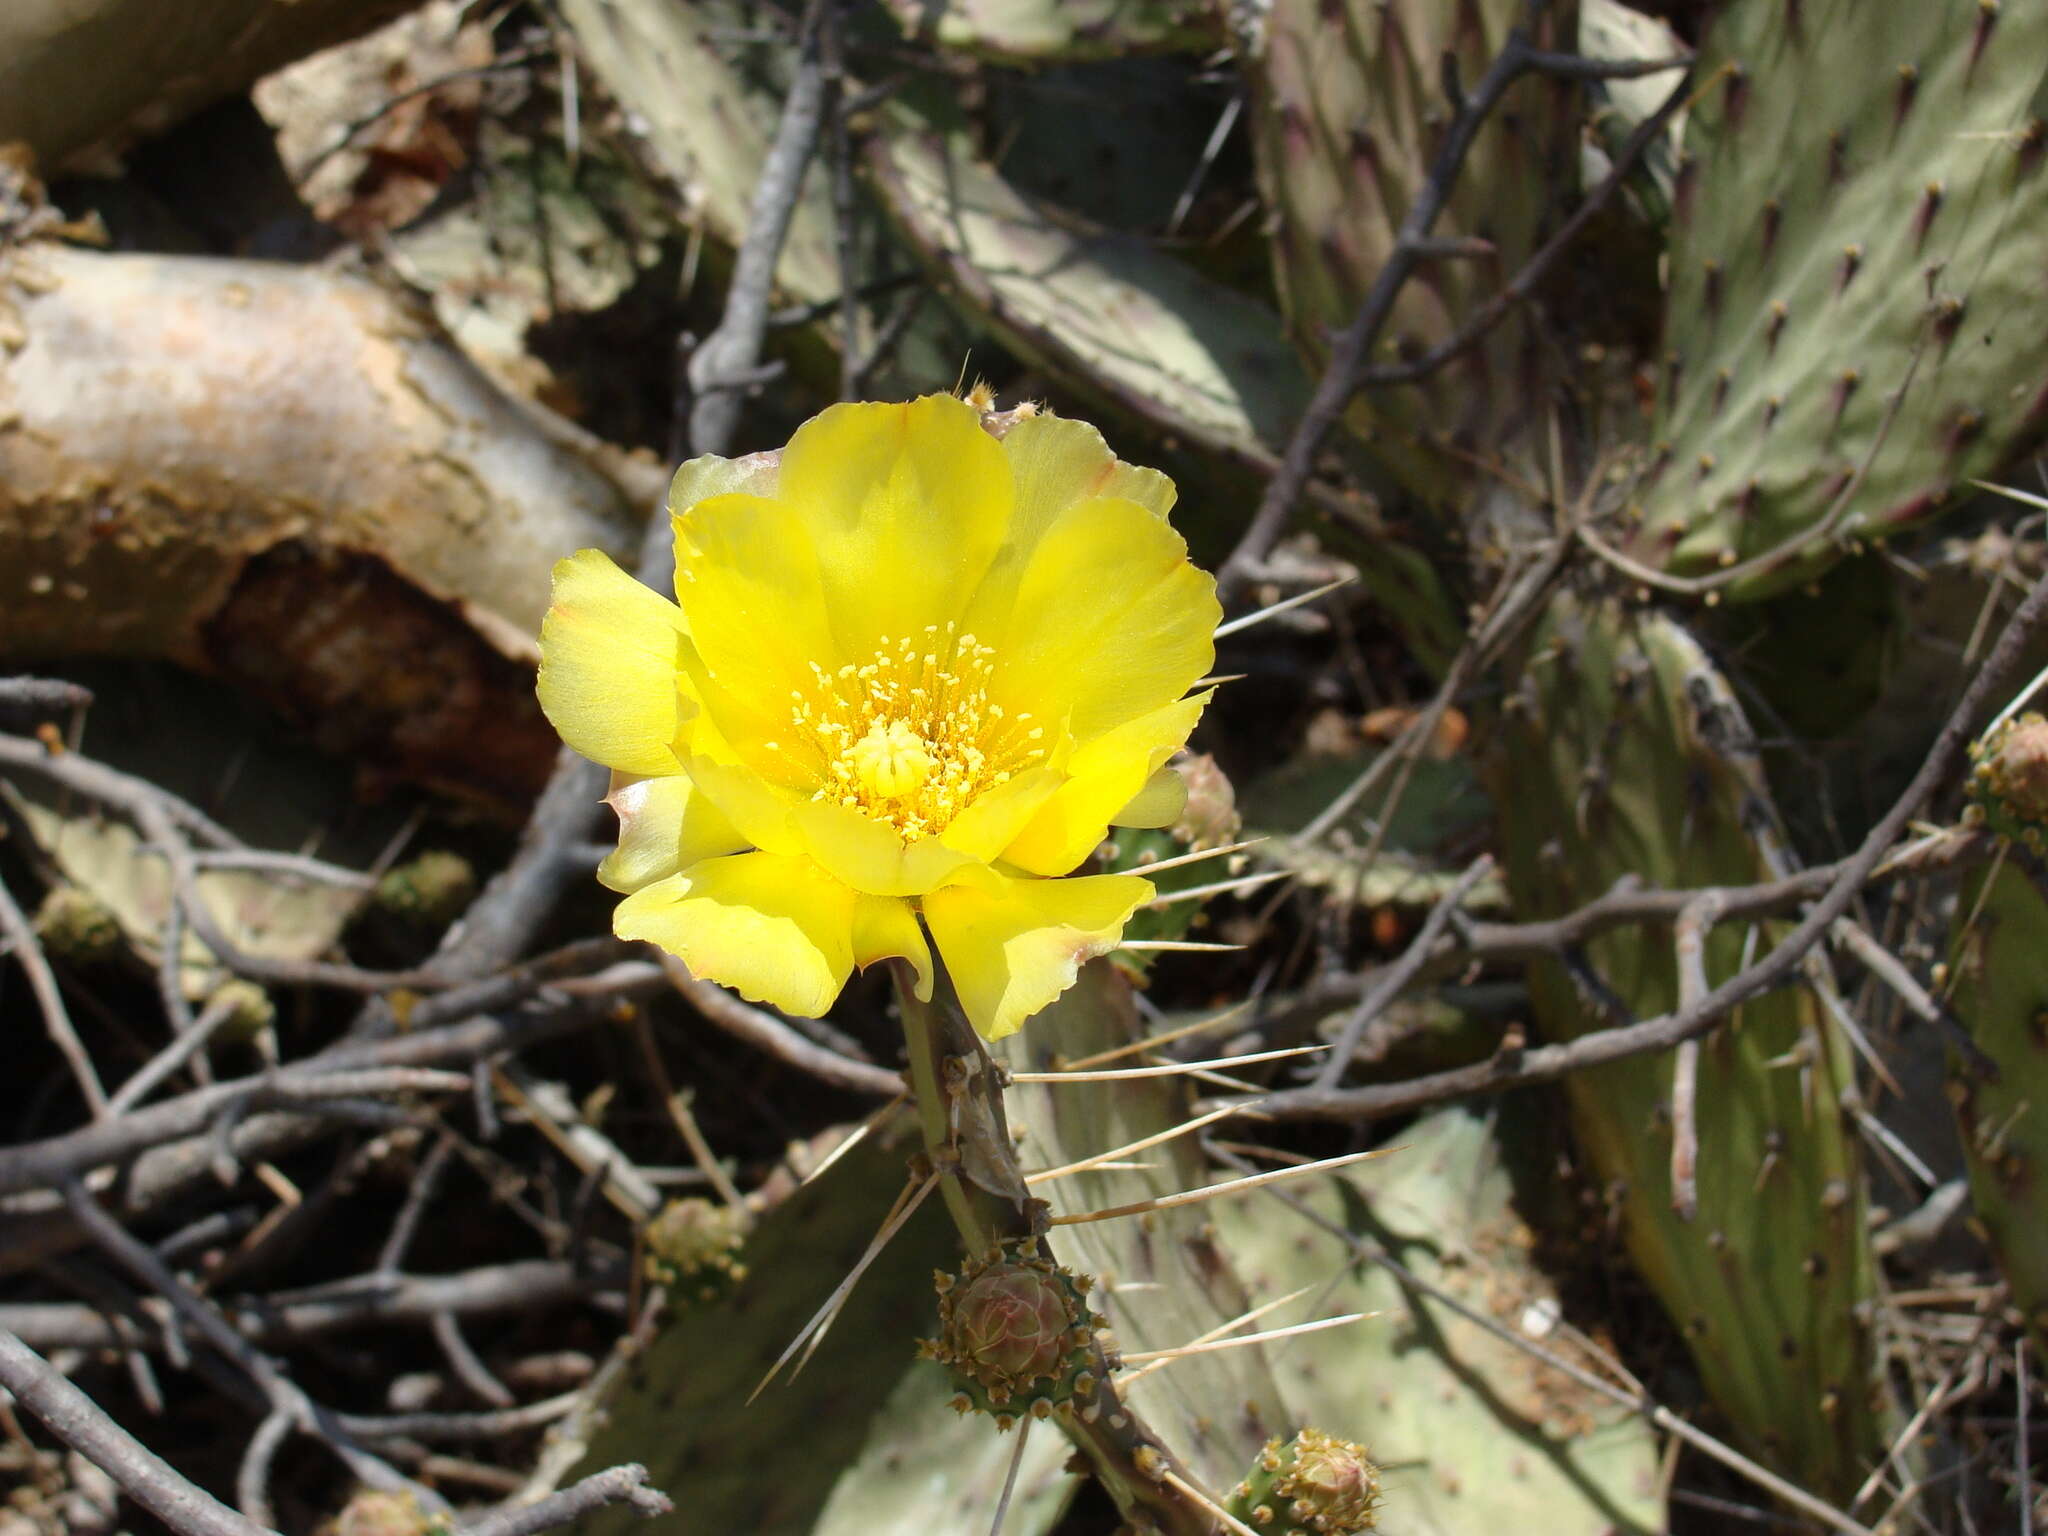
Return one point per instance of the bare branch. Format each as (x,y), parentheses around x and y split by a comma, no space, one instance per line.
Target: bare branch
(78,1421)
(617,1485)
(1845,883)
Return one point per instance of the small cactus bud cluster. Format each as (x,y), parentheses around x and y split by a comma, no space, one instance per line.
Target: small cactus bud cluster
(431,890)
(2009,780)
(1313,1485)
(381,1512)
(77,926)
(1018,1333)
(693,1248)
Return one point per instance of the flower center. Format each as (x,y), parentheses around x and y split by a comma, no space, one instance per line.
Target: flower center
(890,760)
(912,738)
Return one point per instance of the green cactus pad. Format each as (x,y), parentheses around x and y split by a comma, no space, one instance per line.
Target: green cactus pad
(2008,784)
(1312,1485)
(1016,1330)
(433,889)
(1470,1433)
(1162,1278)
(855,1442)
(2001,996)
(1861,225)
(1059,31)
(1347,110)
(1110,316)
(710,139)
(1624,753)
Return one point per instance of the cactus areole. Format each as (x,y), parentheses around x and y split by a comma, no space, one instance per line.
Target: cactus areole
(1313,1485)
(1017,1331)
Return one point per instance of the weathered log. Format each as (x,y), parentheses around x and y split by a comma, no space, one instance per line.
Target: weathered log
(289,477)
(83,80)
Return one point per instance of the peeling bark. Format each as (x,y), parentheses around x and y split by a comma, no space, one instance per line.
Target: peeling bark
(290,478)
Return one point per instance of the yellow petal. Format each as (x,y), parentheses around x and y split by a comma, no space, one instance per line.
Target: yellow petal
(747,580)
(869,855)
(664,827)
(758,809)
(608,666)
(776,930)
(1104,777)
(993,821)
(700,479)
(885,928)
(1110,621)
(906,506)
(1159,804)
(1058,462)
(1012,946)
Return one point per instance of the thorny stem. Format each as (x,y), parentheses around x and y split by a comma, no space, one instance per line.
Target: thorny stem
(967,1137)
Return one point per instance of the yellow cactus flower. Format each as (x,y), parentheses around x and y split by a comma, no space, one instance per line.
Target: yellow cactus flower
(920,660)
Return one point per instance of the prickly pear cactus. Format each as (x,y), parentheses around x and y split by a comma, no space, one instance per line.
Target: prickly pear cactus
(1163,1279)
(1861,227)
(1059,31)
(1470,1433)
(2001,996)
(1312,1485)
(1629,756)
(1110,316)
(825,1452)
(2009,780)
(1348,106)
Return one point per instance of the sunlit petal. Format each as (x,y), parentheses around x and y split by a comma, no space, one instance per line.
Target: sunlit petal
(776,930)
(1109,622)
(1106,775)
(608,673)
(904,505)
(1012,946)
(665,826)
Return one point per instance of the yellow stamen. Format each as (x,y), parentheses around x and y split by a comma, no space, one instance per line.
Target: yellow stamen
(911,737)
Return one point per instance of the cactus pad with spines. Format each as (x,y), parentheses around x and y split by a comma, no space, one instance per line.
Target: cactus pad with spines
(1162,1278)
(1312,1485)
(1348,110)
(1470,1433)
(1059,31)
(1861,228)
(1625,754)
(2001,997)
(822,1453)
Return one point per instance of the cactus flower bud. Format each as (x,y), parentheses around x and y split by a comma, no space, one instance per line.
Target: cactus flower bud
(1313,1485)
(2009,782)
(1018,1334)
(1012,1320)
(693,1247)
